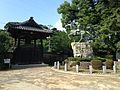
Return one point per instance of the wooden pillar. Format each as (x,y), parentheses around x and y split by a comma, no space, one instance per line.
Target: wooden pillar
(34,42)
(41,49)
(35,57)
(18,42)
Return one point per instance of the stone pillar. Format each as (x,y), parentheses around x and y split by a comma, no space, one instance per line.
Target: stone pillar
(55,65)
(58,65)
(114,69)
(77,68)
(114,63)
(62,62)
(65,67)
(90,69)
(104,69)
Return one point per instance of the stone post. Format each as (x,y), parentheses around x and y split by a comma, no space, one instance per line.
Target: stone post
(58,65)
(77,68)
(90,69)
(62,62)
(65,67)
(104,69)
(55,65)
(114,63)
(114,69)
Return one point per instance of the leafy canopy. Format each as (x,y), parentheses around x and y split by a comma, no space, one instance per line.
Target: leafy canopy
(5,42)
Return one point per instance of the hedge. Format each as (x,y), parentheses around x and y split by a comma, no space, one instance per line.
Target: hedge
(96,64)
(109,64)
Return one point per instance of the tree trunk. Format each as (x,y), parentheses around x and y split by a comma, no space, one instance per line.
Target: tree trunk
(114,55)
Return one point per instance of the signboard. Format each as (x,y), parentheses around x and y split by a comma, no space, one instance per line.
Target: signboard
(6,60)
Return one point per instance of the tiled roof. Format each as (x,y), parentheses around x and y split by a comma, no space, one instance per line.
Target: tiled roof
(29,25)
(32,29)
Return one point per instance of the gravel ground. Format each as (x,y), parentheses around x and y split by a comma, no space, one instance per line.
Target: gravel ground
(45,78)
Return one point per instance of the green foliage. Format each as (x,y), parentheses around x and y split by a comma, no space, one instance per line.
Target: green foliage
(109,27)
(72,61)
(109,64)
(101,20)
(83,59)
(79,59)
(99,58)
(60,43)
(96,64)
(5,43)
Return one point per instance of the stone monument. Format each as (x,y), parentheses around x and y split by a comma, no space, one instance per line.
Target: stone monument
(82,48)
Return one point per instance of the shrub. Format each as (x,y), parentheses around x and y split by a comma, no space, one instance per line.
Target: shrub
(5,43)
(99,58)
(109,56)
(72,63)
(96,64)
(83,59)
(109,64)
(71,59)
(66,61)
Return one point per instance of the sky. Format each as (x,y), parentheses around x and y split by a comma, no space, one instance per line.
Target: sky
(43,11)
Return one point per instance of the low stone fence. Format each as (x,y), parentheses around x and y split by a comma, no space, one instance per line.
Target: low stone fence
(89,70)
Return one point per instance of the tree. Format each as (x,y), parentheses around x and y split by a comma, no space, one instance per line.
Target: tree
(60,43)
(109,27)
(79,14)
(5,43)
(101,18)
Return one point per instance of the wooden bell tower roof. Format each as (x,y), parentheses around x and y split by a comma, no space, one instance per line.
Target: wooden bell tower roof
(21,29)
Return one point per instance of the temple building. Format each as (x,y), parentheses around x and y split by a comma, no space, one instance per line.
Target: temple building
(28,41)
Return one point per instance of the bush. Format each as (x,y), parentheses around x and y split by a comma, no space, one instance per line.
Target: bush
(72,61)
(99,58)
(96,64)
(5,43)
(83,59)
(109,56)
(109,64)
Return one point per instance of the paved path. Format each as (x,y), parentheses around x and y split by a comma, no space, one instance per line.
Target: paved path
(44,78)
